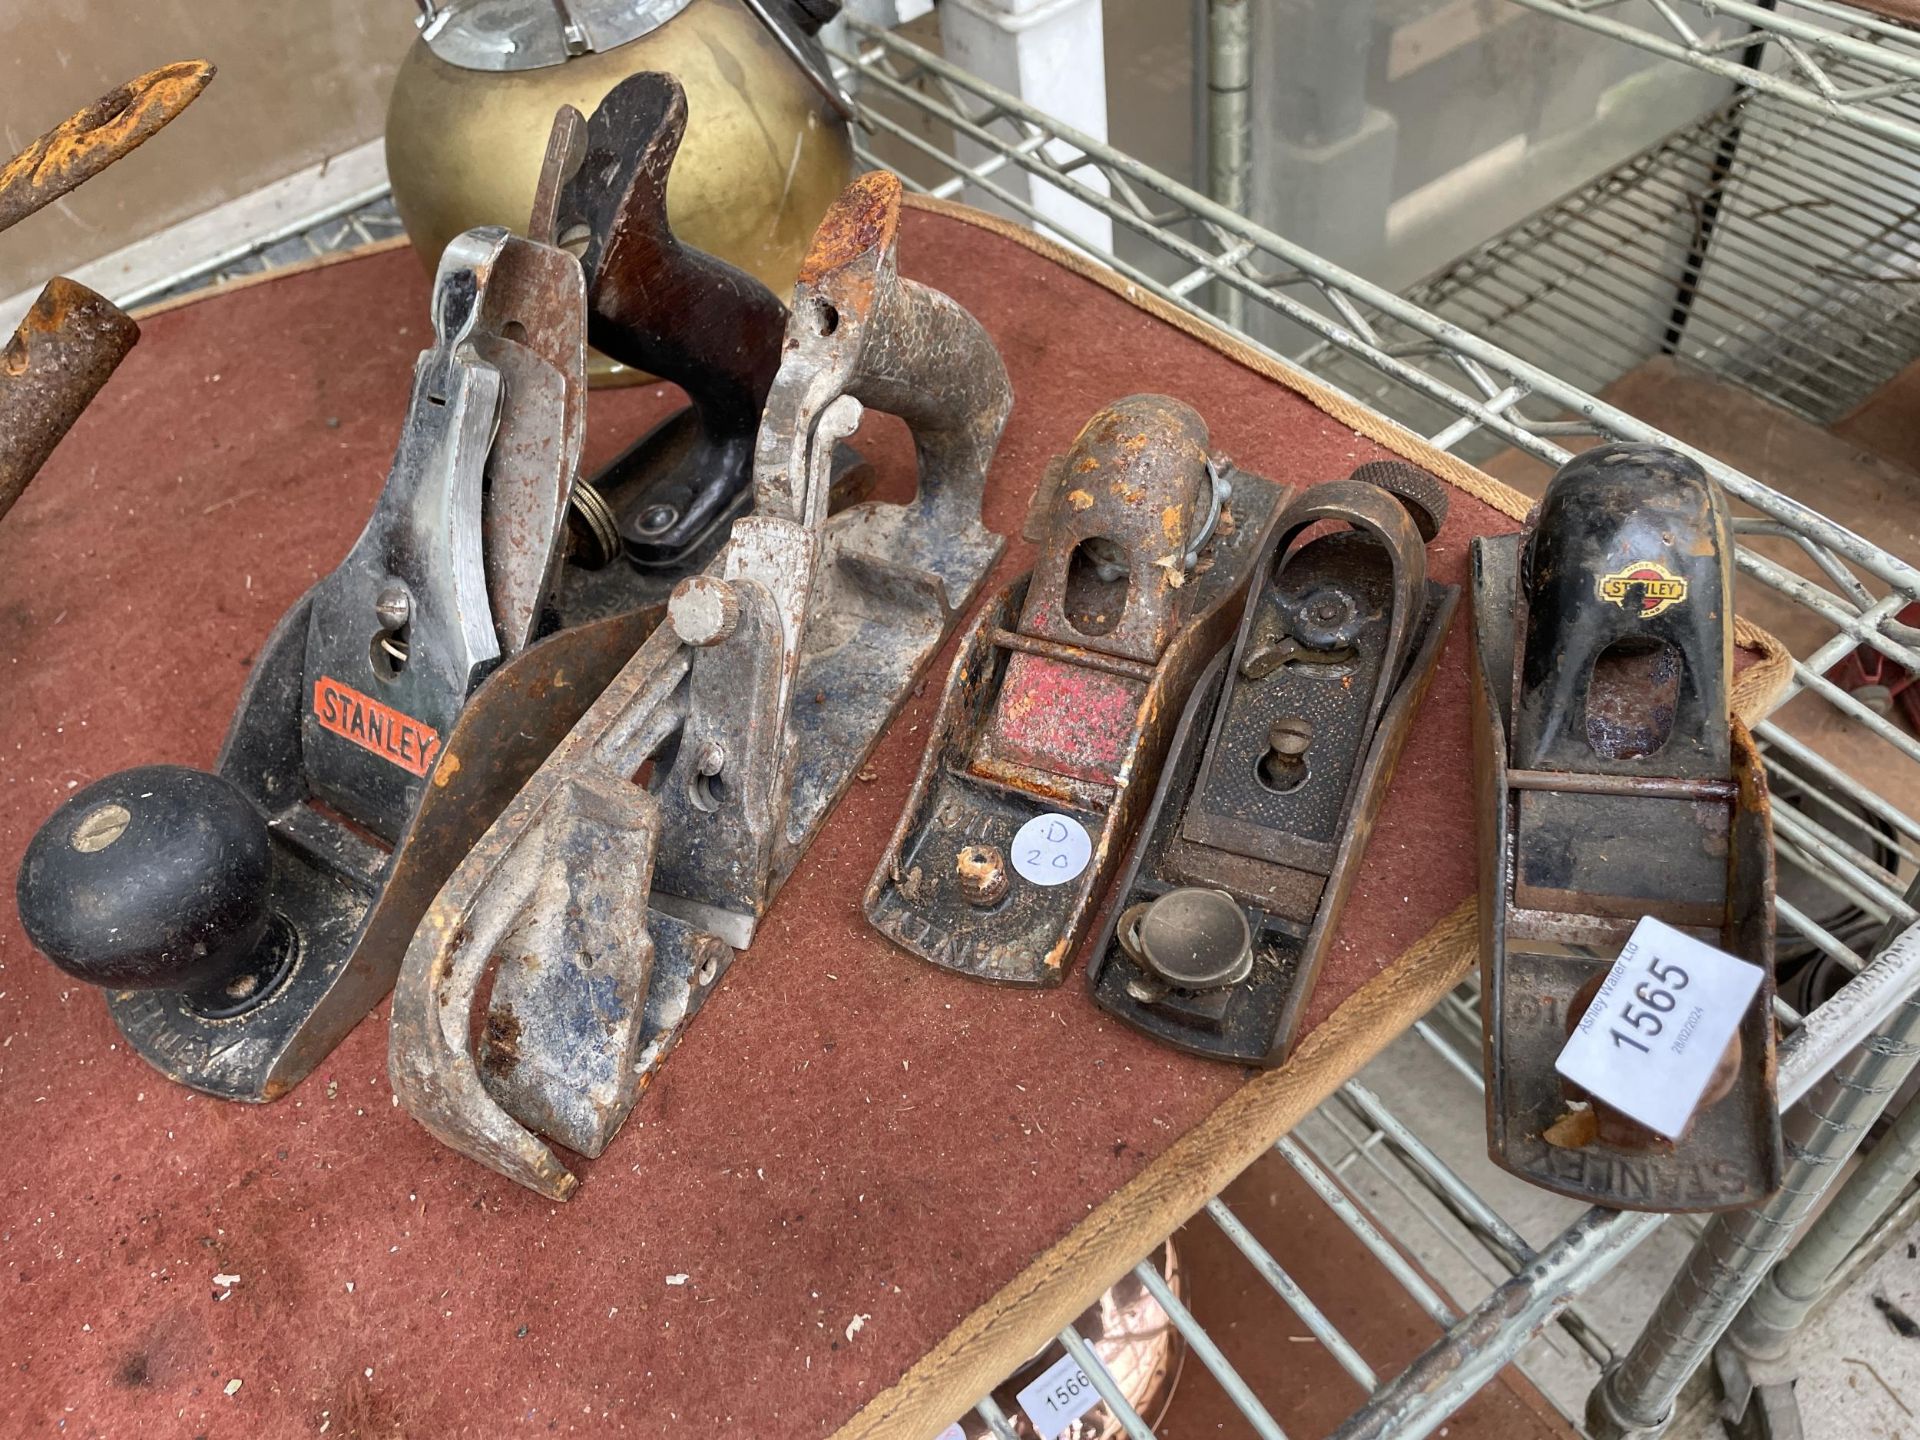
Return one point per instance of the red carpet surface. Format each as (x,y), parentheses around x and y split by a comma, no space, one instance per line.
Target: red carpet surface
(851,1150)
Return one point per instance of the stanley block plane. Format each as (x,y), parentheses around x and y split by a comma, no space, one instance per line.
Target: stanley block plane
(1062,697)
(1277,773)
(1617,784)
(561,962)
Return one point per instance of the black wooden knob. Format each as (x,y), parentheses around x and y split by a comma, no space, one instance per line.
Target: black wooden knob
(151,879)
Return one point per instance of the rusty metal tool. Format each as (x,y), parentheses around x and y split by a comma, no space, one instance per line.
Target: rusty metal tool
(243,921)
(605,904)
(1277,772)
(80,147)
(72,339)
(70,343)
(663,307)
(1059,706)
(1616,783)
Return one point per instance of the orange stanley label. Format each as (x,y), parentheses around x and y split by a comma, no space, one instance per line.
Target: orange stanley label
(376,727)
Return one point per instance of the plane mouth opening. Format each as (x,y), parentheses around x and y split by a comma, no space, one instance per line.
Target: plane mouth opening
(1632,696)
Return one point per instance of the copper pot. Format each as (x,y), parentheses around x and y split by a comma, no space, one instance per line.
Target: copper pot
(1135,1339)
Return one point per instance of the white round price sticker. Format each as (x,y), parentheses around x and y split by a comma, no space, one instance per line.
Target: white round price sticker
(1051,849)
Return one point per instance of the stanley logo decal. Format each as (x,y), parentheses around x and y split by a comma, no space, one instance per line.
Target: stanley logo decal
(1644,587)
(376,727)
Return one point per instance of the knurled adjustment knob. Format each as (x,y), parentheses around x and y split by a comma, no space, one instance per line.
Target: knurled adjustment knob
(1424,497)
(152,879)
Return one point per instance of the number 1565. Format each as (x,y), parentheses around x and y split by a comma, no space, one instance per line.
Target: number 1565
(1656,998)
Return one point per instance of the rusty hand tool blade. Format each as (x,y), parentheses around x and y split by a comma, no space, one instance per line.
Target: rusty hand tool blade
(56,362)
(75,151)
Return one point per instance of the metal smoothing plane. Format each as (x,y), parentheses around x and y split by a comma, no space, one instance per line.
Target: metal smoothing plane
(1616,784)
(1060,703)
(1278,770)
(242,922)
(600,910)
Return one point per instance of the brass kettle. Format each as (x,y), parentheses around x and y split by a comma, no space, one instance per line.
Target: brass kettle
(766,149)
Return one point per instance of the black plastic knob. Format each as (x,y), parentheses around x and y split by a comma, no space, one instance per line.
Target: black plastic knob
(151,879)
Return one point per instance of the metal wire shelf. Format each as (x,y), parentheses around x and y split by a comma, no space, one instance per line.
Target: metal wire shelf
(1823,56)
(1775,249)
(1445,378)
(359,220)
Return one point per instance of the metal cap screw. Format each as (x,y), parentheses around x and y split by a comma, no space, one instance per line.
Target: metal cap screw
(981,871)
(1284,766)
(711,955)
(703,610)
(1289,737)
(100,828)
(394,608)
(657,519)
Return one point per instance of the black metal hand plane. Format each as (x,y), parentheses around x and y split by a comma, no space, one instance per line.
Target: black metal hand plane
(243,921)
(1278,770)
(1616,783)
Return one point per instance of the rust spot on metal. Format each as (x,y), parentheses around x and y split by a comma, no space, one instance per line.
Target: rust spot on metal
(1573,1131)
(79,148)
(864,218)
(500,1047)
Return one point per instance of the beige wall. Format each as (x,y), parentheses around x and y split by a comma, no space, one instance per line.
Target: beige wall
(298,80)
